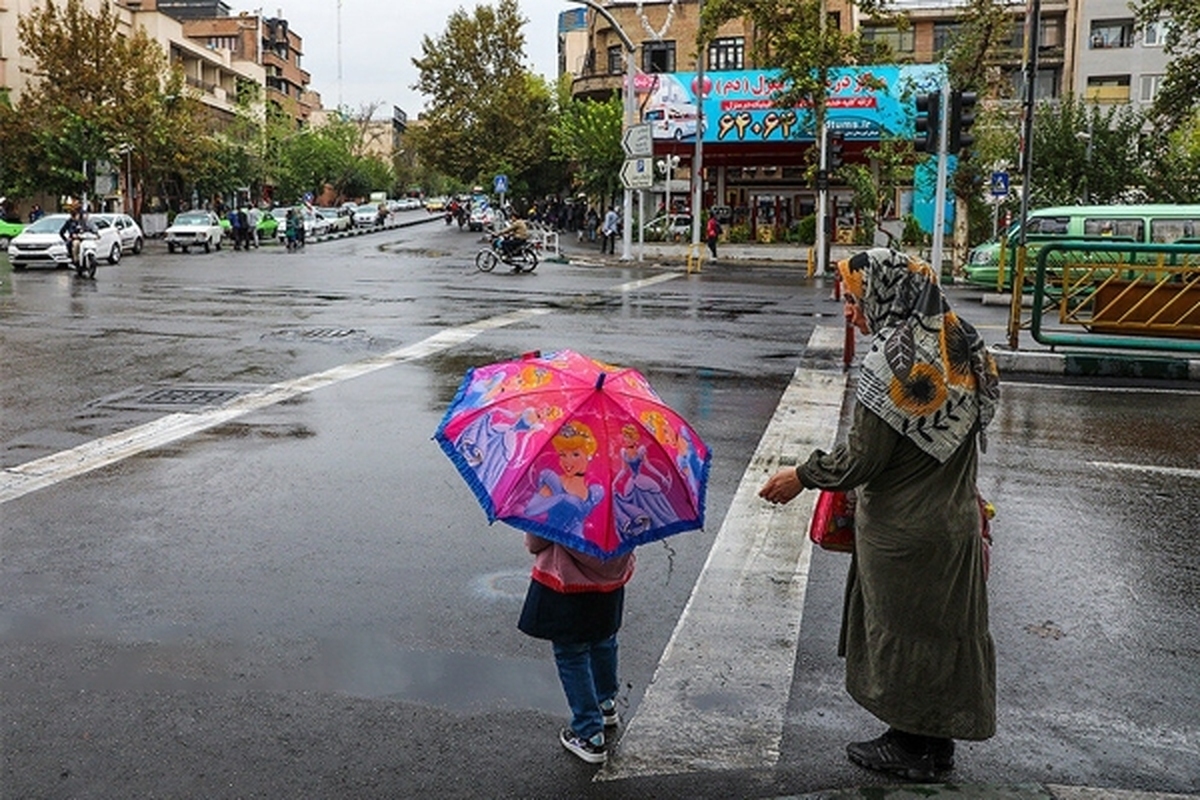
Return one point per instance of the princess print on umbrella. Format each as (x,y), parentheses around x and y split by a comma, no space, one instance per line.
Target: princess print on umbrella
(496,439)
(565,497)
(639,501)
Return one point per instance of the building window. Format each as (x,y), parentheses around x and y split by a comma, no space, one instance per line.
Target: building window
(1045,87)
(1148,88)
(658,56)
(1107,89)
(726,54)
(1108,33)
(222,42)
(944,34)
(614,60)
(1154,34)
(900,41)
(1050,34)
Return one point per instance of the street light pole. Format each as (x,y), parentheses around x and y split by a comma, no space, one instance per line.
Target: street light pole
(630,113)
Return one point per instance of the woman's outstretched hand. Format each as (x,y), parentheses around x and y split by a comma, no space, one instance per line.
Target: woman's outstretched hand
(781,487)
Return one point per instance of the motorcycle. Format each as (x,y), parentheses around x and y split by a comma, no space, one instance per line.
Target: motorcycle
(523,258)
(83,256)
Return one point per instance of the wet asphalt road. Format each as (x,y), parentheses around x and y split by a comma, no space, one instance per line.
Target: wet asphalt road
(306,601)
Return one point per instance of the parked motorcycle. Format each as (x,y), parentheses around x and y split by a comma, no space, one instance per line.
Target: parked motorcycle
(524,258)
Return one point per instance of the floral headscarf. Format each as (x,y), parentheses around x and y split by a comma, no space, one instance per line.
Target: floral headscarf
(928,373)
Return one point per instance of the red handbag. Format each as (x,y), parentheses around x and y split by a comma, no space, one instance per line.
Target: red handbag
(832,526)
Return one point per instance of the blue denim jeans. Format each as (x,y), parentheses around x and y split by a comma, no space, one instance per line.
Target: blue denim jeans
(588,672)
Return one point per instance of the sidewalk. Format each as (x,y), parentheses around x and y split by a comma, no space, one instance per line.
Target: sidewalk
(988,310)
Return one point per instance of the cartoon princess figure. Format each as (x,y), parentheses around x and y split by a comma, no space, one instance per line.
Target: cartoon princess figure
(687,459)
(565,497)
(639,503)
(497,439)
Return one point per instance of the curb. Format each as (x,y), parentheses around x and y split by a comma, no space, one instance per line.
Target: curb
(1107,365)
(1018,791)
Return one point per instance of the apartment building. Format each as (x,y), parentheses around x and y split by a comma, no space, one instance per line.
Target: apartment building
(760,183)
(1118,62)
(219,54)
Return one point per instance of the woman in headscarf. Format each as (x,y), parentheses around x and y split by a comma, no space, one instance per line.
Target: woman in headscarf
(915,636)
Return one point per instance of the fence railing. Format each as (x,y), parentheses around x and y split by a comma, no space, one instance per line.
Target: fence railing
(1122,295)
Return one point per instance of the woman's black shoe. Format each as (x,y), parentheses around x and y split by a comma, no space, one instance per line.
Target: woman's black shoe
(885,754)
(942,751)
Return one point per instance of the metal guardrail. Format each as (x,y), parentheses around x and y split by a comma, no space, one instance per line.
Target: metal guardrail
(1125,295)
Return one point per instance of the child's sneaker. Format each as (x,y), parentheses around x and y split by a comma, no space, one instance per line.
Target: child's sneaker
(611,718)
(589,750)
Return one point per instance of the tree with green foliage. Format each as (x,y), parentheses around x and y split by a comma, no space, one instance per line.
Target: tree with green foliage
(1178,96)
(1082,150)
(488,113)
(96,94)
(1173,164)
(587,136)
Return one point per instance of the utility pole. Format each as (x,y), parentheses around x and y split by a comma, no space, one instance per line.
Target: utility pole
(630,113)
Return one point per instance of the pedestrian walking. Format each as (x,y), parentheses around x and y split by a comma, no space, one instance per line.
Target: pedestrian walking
(711,233)
(290,226)
(919,654)
(235,228)
(577,601)
(591,221)
(608,231)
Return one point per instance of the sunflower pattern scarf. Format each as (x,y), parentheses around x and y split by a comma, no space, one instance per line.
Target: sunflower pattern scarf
(928,373)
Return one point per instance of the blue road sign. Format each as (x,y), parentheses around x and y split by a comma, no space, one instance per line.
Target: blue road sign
(999,184)
(500,184)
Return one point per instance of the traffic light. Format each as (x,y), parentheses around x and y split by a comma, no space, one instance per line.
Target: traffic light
(928,122)
(834,152)
(962,117)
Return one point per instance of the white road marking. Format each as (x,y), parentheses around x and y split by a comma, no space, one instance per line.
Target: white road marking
(644,282)
(1177,472)
(719,693)
(33,475)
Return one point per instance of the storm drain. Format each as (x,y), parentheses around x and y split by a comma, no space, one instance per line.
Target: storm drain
(328,333)
(187,397)
(319,335)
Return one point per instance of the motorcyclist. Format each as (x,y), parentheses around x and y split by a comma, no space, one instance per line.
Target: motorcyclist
(513,237)
(72,232)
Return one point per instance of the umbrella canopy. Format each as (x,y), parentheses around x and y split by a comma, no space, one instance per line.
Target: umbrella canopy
(577,451)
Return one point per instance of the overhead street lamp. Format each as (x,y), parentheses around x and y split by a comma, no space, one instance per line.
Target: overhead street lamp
(630,112)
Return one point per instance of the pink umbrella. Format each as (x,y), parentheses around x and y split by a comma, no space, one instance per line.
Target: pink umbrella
(577,451)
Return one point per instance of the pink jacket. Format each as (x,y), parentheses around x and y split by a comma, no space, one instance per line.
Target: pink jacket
(569,571)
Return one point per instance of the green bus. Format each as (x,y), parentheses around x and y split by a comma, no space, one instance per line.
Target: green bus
(1142,224)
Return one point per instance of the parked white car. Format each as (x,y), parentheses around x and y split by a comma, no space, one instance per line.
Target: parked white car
(336,219)
(128,230)
(194,229)
(367,216)
(41,245)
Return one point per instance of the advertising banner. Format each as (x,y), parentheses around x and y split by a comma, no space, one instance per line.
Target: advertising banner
(864,103)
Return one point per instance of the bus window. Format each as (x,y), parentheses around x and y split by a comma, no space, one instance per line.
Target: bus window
(1134,229)
(1165,231)
(1049,226)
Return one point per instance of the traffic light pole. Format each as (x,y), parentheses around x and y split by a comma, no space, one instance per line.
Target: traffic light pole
(943,169)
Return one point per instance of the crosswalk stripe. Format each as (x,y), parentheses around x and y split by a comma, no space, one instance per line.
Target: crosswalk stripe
(718,696)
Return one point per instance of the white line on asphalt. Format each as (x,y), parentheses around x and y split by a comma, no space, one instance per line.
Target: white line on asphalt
(719,693)
(644,282)
(33,475)
(1177,472)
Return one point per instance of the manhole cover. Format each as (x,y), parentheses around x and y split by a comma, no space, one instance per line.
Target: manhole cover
(188,397)
(171,398)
